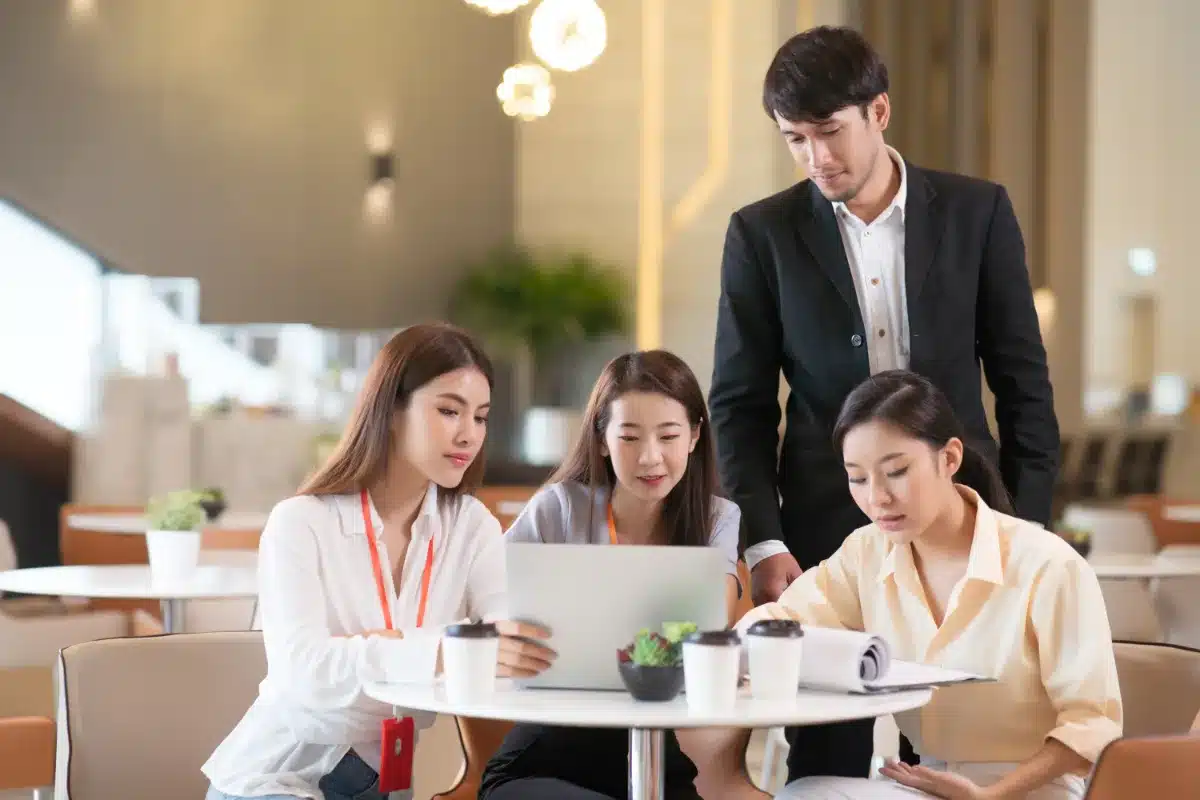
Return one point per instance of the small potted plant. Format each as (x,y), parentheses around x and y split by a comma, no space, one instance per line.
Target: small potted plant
(1078,538)
(212,500)
(652,665)
(173,534)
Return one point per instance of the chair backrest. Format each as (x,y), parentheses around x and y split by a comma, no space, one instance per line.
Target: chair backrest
(1114,530)
(1087,479)
(1151,767)
(505,502)
(81,546)
(1160,687)
(145,713)
(8,551)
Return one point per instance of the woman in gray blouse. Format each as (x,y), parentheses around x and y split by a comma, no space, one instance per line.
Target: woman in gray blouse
(642,472)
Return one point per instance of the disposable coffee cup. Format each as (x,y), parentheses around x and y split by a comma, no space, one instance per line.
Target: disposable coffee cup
(711,661)
(469,653)
(776,650)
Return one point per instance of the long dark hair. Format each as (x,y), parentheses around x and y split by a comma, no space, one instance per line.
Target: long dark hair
(687,514)
(412,358)
(916,407)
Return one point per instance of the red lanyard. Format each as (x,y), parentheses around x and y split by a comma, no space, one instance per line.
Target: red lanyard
(612,527)
(375,564)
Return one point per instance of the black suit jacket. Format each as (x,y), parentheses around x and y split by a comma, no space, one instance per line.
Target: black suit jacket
(788,303)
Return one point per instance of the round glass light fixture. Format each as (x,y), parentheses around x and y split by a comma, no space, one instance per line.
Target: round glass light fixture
(526,91)
(568,34)
(497,7)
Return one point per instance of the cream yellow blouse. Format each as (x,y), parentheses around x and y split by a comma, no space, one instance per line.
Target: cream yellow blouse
(1028,613)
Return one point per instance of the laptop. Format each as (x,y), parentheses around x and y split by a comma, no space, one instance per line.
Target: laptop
(595,599)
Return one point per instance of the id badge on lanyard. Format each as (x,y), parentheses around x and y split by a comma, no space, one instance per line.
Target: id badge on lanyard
(398,737)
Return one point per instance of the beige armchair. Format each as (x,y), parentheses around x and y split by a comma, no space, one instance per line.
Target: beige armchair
(1149,767)
(1160,687)
(149,711)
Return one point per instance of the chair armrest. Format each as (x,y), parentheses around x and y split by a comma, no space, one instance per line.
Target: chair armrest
(26,752)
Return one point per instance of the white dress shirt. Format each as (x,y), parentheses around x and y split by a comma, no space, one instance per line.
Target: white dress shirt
(316,591)
(875,253)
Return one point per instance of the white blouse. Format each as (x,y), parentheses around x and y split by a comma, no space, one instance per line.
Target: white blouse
(316,590)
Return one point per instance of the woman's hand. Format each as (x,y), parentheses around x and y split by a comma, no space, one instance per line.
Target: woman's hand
(948,785)
(521,655)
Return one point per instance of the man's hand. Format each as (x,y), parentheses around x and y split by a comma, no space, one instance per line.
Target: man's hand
(771,576)
(521,656)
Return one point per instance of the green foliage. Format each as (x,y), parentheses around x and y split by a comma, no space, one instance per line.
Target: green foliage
(1073,534)
(518,300)
(211,495)
(176,511)
(677,631)
(651,649)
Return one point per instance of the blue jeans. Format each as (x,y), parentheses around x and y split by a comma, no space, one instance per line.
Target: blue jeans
(351,779)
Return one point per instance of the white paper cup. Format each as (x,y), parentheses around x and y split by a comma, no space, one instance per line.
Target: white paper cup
(469,655)
(711,662)
(776,650)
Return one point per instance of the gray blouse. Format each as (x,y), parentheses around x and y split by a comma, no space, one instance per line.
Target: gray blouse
(558,514)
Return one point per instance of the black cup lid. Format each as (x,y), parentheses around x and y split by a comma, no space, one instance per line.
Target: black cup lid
(714,638)
(777,628)
(473,630)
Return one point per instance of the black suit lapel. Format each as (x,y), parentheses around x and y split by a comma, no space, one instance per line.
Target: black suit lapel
(924,220)
(923,223)
(820,234)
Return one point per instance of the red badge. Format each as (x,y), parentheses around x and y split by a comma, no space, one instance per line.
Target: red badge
(396,761)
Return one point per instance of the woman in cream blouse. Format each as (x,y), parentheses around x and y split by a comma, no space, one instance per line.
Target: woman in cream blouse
(949,578)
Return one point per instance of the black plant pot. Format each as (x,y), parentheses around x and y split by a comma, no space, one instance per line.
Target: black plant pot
(652,684)
(1082,547)
(212,508)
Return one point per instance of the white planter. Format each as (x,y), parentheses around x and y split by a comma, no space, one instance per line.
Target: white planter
(173,554)
(547,435)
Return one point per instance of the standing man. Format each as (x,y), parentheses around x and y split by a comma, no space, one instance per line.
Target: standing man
(871,264)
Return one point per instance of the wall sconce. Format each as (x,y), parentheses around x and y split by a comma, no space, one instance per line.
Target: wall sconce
(81,9)
(378,199)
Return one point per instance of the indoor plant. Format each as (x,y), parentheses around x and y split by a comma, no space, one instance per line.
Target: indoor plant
(173,534)
(1078,538)
(652,665)
(212,500)
(531,308)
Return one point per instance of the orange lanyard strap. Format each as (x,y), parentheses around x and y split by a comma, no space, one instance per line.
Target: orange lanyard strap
(378,569)
(612,527)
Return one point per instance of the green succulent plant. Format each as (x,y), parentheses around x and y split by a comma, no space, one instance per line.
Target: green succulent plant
(176,511)
(652,649)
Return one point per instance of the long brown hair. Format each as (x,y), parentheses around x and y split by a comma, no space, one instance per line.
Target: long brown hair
(687,513)
(412,358)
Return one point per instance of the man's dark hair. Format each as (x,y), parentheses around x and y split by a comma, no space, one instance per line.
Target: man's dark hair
(821,71)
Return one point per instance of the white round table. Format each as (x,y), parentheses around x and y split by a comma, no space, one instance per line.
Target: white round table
(133,582)
(136,523)
(647,722)
(1144,567)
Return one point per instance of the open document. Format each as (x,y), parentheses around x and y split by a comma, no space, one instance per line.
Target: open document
(849,661)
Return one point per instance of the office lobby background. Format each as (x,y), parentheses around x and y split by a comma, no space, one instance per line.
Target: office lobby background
(238,146)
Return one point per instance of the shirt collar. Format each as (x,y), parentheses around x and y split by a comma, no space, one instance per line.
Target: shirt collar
(901,198)
(349,508)
(984,563)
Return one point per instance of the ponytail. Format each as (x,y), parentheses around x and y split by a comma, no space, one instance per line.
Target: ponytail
(980,474)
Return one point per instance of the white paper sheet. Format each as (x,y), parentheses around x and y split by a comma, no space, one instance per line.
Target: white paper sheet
(860,663)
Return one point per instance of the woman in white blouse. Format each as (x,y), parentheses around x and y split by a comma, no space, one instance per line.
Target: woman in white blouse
(949,578)
(360,572)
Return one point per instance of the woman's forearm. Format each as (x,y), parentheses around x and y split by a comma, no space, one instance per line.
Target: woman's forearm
(1053,760)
